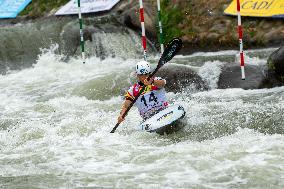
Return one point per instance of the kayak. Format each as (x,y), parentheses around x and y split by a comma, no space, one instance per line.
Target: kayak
(166,121)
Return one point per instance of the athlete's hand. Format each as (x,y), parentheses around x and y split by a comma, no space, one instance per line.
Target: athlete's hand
(120,119)
(148,82)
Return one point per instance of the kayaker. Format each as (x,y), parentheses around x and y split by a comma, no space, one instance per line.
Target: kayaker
(152,99)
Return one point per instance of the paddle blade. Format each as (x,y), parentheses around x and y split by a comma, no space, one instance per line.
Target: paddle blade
(171,50)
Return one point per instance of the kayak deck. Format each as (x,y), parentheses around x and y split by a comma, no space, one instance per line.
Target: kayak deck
(166,121)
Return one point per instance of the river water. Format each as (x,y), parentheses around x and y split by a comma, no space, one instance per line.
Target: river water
(55,119)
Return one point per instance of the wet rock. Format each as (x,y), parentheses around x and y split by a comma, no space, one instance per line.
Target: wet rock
(180,77)
(130,16)
(21,44)
(276,64)
(231,77)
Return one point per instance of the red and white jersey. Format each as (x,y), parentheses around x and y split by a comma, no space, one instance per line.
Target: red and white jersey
(151,100)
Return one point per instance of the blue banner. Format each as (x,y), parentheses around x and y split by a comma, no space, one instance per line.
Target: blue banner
(11,8)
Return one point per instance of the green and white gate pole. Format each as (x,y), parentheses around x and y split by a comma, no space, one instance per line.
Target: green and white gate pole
(160,26)
(81,31)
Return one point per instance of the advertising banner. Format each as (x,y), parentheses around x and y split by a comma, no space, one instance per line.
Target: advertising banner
(11,8)
(258,8)
(87,6)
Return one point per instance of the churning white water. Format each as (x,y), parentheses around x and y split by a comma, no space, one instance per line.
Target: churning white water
(56,118)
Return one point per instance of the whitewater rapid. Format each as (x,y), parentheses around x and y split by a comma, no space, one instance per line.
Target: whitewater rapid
(56,117)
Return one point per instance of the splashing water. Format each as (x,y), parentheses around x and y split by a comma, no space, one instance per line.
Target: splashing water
(56,118)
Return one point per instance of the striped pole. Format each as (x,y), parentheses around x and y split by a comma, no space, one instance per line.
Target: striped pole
(143,29)
(160,26)
(81,32)
(240,30)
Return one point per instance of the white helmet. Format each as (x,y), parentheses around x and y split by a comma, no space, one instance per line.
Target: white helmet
(143,67)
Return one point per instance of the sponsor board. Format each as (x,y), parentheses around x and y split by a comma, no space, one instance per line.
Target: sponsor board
(87,6)
(257,8)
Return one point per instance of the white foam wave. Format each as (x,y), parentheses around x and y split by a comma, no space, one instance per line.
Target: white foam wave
(47,133)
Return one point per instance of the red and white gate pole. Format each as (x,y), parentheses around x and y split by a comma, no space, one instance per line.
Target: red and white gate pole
(240,30)
(143,29)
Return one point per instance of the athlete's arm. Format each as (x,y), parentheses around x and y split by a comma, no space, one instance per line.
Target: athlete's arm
(159,83)
(124,107)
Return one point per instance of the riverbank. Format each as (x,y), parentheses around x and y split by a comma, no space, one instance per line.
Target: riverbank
(203,26)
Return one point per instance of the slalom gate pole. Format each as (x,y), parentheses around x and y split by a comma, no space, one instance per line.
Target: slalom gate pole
(143,29)
(240,30)
(81,31)
(160,26)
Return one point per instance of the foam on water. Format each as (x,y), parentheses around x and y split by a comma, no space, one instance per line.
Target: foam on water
(51,137)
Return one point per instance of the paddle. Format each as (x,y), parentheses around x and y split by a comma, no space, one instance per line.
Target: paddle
(171,50)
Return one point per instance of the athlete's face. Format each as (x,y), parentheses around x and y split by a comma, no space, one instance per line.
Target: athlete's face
(142,77)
